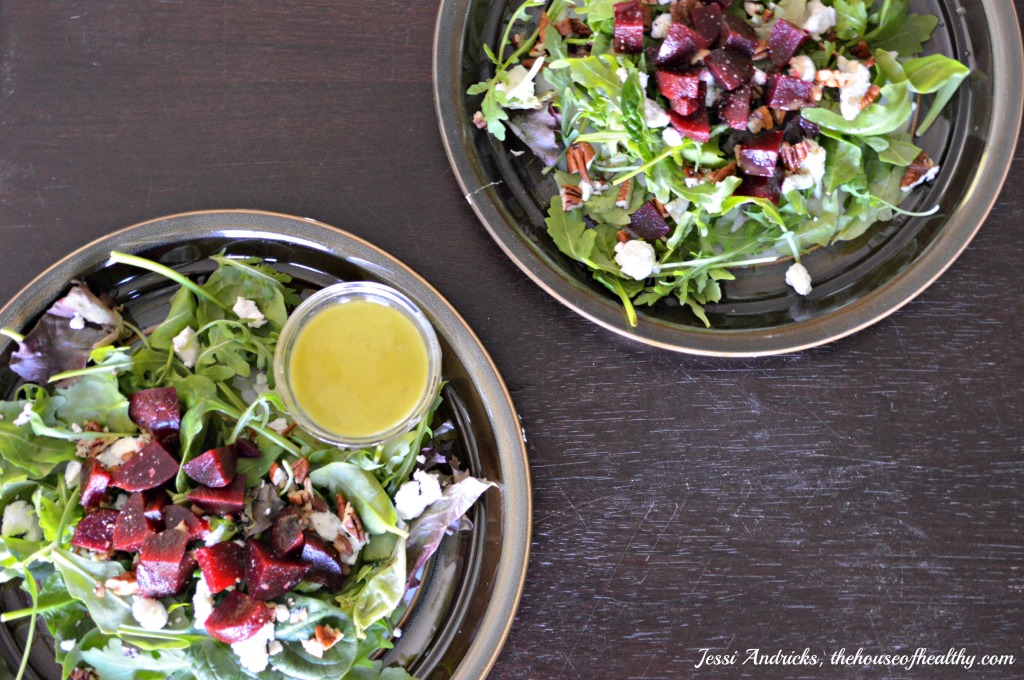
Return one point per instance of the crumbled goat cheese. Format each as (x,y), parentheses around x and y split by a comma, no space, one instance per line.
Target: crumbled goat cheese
(217,535)
(799,278)
(298,616)
(247,309)
(397,632)
(327,524)
(623,75)
(851,96)
(932,173)
(252,653)
(73,474)
(636,258)
(660,26)
(25,417)
(278,425)
(68,645)
(77,322)
(654,115)
(202,603)
(802,67)
(281,613)
(314,648)
(114,454)
(186,347)
(672,137)
(274,648)
(812,169)
(76,428)
(586,190)
(151,614)
(819,18)
(520,92)
(20,520)
(414,496)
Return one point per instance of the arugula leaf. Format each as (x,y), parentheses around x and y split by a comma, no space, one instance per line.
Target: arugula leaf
(900,151)
(909,40)
(97,398)
(569,232)
(22,447)
(80,575)
(851,18)
(181,315)
(843,162)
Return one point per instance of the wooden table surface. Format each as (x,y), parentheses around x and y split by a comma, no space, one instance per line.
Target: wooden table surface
(863,494)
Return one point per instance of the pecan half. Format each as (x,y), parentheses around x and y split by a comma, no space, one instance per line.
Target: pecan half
(870,96)
(622,200)
(760,119)
(572,197)
(301,469)
(720,174)
(350,520)
(578,159)
(793,155)
(922,170)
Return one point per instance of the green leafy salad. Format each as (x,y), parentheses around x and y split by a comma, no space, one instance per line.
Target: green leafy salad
(691,138)
(166,518)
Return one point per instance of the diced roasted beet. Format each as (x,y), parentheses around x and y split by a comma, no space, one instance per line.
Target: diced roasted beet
(685,106)
(695,126)
(760,155)
(648,223)
(95,531)
(238,618)
(286,534)
(147,469)
(805,126)
(227,500)
(95,480)
(759,187)
(737,34)
(681,43)
(156,501)
(707,20)
(785,40)
(223,565)
(214,468)
(787,93)
(164,568)
(325,565)
(246,448)
(734,108)
(132,526)
(730,68)
(724,3)
(156,409)
(673,85)
(268,574)
(629,28)
(197,527)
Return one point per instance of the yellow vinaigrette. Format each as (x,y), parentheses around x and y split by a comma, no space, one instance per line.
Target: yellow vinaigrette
(358,369)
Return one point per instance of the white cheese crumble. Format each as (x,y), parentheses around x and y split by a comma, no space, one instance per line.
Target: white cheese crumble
(151,614)
(68,645)
(931,174)
(217,535)
(253,653)
(278,425)
(799,278)
(802,67)
(247,310)
(327,524)
(414,496)
(274,647)
(77,322)
(186,347)
(819,18)
(760,77)
(636,258)
(20,520)
(811,171)
(115,454)
(654,115)
(851,96)
(623,75)
(25,417)
(519,91)
(672,137)
(202,603)
(281,613)
(660,26)
(586,190)
(314,648)
(73,474)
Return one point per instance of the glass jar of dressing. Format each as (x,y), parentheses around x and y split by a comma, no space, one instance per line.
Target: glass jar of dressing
(357,364)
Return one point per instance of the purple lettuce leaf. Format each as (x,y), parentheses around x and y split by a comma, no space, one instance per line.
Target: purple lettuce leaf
(536,127)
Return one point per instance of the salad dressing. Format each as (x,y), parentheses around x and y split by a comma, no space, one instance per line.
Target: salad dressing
(358,368)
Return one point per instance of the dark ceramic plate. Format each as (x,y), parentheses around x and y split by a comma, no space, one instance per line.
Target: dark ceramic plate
(462,612)
(855,283)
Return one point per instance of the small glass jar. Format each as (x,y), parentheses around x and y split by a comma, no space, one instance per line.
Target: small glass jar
(340,294)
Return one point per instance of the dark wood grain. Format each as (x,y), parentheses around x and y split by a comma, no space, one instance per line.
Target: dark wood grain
(864,494)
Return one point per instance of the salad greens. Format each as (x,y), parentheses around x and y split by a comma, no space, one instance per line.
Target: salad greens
(587,86)
(83,361)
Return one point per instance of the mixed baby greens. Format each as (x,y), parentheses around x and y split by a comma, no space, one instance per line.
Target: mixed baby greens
(694,137)
(360,523)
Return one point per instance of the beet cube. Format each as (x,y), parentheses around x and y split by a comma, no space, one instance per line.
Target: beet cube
(760,155)
(95,480)
(214,468)
(787,93)
(147,469)
(164,568)
(681,43)
(785,40)
(674,85)
(737,34)
(734,108)
(269,574)
(286,534)
(707,20)
(648,223)
(686,106)
(730,68)
(759,187)
(238,618)
(325,565)
(695,126)
(227,500)
(95,531)
(197,527)
(132,526)
(223,565)
(724,3)
(156,409)
(246,448)
(629,28)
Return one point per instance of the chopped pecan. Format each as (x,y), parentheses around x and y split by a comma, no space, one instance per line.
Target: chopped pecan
(793,155)
(767,15)
(831,78)
(299,497)
(580,29)
(720,174)
(278,477)
(681,11)
(301,469)
(564,28)
(350,520)
(319,504)
(578,159)
(528,62)
(84,674)
(622,236)
(327,636)
(572,197)
(760,119)
(622,200)
(861,50)
(660,206)
(122,585)
(922,170)
(761,51)
(872,94)
(816,92)
(343,546)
